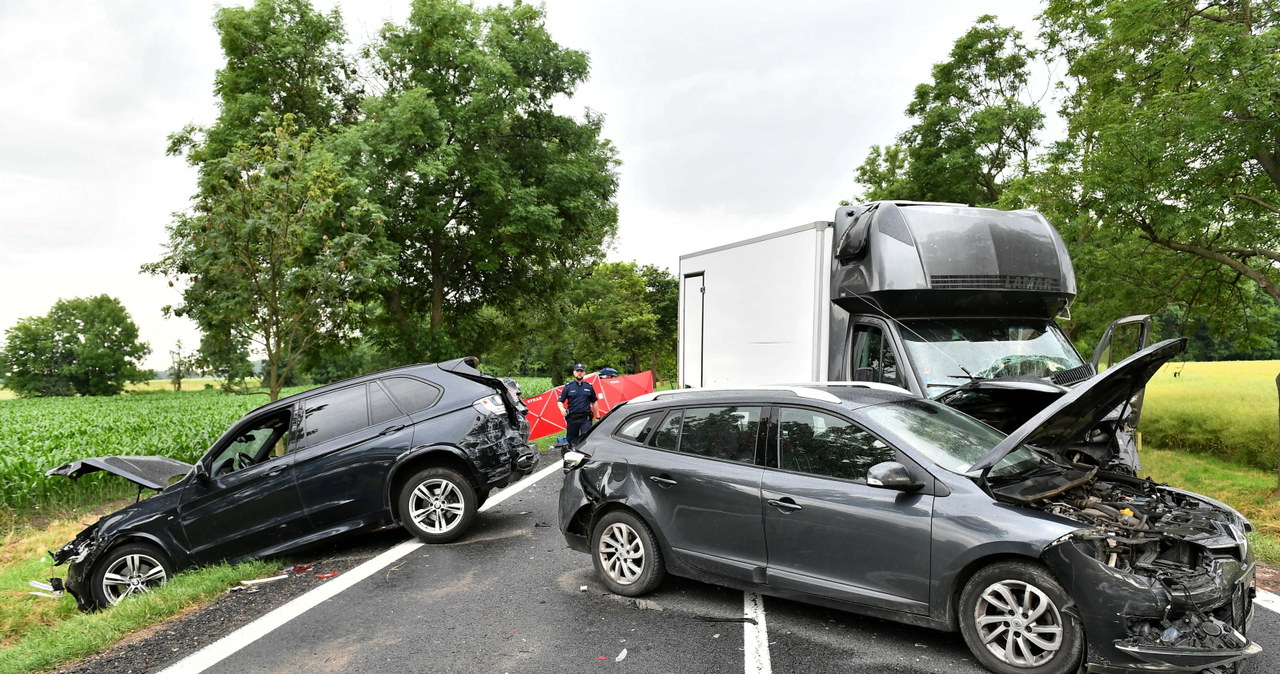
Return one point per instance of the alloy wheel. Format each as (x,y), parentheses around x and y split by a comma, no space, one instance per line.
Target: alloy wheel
(1018,623)
(436,505)
(132,573)
(621,553)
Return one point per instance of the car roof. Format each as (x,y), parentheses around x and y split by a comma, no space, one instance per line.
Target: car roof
(846,394)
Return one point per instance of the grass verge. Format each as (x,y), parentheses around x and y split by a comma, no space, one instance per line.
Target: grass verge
(1251,491)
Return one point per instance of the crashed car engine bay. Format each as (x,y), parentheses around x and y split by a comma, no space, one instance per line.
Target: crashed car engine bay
(898,507)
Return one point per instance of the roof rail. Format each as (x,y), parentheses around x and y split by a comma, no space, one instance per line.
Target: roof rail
(798,391)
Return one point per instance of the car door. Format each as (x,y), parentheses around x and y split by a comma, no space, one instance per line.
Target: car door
(245,507)
(700,483)
(351,438)
(828,532)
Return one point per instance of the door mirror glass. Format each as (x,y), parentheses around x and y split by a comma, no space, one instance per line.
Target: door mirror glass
(892,475)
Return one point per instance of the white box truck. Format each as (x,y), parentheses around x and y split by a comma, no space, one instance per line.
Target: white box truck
(944,300)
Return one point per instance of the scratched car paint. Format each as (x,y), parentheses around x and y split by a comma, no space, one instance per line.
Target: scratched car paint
(421,446)
(1047,558)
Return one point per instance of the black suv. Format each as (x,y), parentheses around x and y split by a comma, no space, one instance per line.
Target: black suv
(421,445)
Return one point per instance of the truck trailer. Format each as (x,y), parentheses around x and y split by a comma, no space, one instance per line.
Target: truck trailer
(944,300)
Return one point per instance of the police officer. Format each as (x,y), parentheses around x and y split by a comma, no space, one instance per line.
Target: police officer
(577,404)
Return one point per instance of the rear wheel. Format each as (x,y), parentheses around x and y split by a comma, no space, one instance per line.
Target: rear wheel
(437,505)
(626,555)
(134,568)
(1013,618)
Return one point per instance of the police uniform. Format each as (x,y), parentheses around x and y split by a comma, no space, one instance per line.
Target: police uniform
(578,397)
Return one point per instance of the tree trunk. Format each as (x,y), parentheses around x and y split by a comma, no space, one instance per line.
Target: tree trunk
(1278,446)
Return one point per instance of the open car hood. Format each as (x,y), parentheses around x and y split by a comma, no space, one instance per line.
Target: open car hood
(152,472)
(1070,417)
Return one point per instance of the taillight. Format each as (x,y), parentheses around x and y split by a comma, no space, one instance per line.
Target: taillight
(489,405)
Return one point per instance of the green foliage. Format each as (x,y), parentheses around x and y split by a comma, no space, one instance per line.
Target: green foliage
(74,635)
(491,197)
(83,346)
(279,251)
(617,314)
(1172,163)
(39,434)
(974,125)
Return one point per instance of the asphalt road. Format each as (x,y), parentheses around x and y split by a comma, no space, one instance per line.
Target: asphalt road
(510,597)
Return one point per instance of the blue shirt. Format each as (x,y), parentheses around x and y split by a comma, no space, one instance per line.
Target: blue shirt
(579,395)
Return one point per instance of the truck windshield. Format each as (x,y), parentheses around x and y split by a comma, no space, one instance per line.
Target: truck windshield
(989,348)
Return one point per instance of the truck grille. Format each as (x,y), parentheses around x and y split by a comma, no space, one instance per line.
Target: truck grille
(994,282)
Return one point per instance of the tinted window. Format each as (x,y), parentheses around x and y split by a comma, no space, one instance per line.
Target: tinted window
(668,435)
(380,406)
(335,414)
(822,444)
(728,433)
(637,429)
(412,394)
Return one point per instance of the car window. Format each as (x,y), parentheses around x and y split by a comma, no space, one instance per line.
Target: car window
(728,433)
(335,414)
(818,443)
(412,394)
(637,429)
(255,442)
(668,434)
(380,406)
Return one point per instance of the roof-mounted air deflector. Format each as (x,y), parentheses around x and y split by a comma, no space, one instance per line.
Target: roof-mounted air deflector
(913,259)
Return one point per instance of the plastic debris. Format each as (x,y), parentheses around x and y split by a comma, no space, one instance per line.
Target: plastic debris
(603,657)
(621,656)
(300,568)
(582,588)
(46,594)
(40,585)
(263,580)
(327,575)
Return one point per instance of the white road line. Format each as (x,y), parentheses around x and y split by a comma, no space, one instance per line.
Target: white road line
(221,649)
(755,635)
(1268,600)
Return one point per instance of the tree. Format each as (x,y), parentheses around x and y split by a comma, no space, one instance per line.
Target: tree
(283,58)
(181,365)
(278,252)
(85,346)
(975,125)
(1174,140)
(492,198)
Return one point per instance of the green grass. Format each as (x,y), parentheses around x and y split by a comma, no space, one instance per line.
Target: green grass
(1226,410)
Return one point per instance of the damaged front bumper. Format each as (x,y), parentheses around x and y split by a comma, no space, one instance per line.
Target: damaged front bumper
(1152,623)
(79,556)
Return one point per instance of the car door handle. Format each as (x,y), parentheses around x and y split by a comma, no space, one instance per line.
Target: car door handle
(391,429)
(276,471)
(785,504)
(663,481)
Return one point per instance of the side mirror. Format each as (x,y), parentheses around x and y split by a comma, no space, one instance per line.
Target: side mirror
(202,473)
(892,475)
(573,460)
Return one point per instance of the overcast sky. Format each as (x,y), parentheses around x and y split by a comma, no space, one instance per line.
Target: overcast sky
(732,118)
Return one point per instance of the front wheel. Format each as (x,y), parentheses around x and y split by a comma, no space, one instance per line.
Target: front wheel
(626,555)
(437,505)
(134,568)
(1013,618)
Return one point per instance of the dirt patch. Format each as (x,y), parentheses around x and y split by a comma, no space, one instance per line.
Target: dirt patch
(1268,579)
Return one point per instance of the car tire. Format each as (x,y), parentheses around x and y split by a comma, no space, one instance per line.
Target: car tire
(626,554)
(437,505)
(1015,619)
(133,568)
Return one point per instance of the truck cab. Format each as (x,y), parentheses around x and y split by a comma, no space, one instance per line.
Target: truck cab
(944,300)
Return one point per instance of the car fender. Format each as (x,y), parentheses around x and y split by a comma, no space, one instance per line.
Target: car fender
(438,454)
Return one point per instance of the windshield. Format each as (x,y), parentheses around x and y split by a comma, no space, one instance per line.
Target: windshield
(951,439)
(988,348)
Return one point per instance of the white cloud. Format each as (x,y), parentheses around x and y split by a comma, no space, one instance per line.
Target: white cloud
(732,119)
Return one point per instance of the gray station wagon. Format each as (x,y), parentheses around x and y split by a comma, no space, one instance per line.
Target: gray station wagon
(865,498)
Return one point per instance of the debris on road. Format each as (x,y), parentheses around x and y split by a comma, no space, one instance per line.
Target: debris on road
(256,581)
